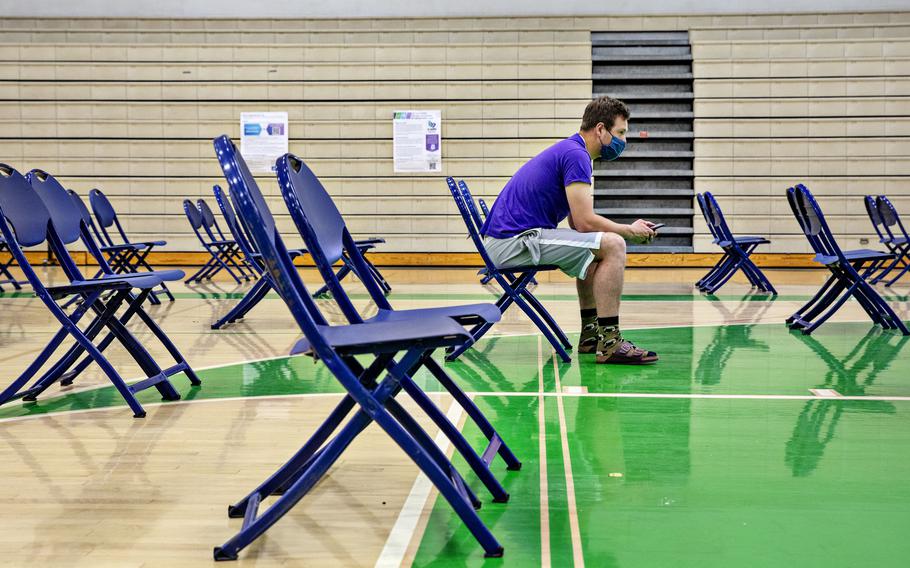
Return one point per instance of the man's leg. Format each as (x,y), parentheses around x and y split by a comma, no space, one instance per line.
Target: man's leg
(587,305)
(599,293)
(607,290)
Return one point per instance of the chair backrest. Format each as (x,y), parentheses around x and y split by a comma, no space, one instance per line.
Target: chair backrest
(473,230)
(812,221)
(233,223)
(310,201)
(483,207)
(65,216)
(252,206)
(717,219)
(871,205)
(890,217)
(323,229)
(193,215)
(86,214)
(209,222)
(469,203)
(24,212)
(106,215)
(67,219)
(25,221)
(700,199)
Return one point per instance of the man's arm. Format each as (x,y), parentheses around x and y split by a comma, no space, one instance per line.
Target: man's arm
(582,217)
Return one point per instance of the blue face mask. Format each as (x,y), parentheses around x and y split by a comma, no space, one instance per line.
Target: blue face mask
(612,150)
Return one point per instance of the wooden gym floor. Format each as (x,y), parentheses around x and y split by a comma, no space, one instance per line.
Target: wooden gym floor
(745,445)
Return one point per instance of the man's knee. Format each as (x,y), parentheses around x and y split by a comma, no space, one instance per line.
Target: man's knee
(612,247)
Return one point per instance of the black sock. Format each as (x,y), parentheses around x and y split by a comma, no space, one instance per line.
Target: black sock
(588,314)
(608,322)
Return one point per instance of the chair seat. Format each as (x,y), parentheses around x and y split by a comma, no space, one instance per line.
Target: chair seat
(389,336)
(219,243)
(141,280)
(854,255)
(370,241)
(125,246)
(469,314)
(151,243)
(538,268)
(744,240)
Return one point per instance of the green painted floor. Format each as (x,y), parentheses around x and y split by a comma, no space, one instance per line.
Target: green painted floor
(720,455)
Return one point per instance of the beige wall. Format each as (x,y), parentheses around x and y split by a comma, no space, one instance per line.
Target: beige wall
(130,106)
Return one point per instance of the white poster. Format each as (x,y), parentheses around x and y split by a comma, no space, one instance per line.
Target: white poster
(417,140)
(263,139)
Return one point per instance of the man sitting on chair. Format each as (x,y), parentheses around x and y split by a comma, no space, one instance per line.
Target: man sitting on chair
(555,184)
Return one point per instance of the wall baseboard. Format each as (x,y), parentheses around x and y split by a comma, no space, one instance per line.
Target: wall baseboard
(472,260)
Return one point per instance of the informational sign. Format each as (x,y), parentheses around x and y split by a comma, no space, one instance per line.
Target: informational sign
(417,140)
(263,139)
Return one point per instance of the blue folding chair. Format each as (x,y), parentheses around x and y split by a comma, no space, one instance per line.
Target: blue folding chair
(514,281)
(35,209)
(337,347)
(737,251)
(221,251)
(871,204)
(214,232)
(129,259)
(849,271)
(116,256)
(263,284)
(485,212)
(7,277)
(325,233)
(898,243)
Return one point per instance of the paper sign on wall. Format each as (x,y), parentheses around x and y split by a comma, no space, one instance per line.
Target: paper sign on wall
(263,139)
(417,140)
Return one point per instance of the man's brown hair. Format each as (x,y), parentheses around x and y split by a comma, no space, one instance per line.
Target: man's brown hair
(603,109)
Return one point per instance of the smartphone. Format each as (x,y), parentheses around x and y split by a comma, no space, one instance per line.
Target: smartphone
(658,226)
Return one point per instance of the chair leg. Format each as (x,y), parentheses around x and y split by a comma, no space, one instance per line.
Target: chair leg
(708,284)
(11,392)
(198,275)
(557,346)
(447,482)
(814,308)
(474,461)
(711,271)
(342,272)
(253,296)
(830,312)
(479,330)
(512,462)
(898,277)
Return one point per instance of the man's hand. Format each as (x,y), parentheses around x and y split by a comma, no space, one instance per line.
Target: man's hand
(640,232)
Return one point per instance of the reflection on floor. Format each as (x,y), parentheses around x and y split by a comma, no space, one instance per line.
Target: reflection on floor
(747,445)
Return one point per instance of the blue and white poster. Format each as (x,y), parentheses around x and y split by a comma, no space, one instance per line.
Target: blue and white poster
(263,139)
(417,140)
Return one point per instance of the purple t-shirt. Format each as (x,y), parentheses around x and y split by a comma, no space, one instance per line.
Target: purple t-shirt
(535,197)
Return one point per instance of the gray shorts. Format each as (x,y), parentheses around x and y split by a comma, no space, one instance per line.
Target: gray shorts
(571,251)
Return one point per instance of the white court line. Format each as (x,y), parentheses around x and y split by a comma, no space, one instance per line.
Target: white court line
(577,553)
(396,545)
(689,395)
(544,482)
(825,393)
(484,393)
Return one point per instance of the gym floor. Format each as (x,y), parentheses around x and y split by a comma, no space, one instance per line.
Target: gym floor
(745,445)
